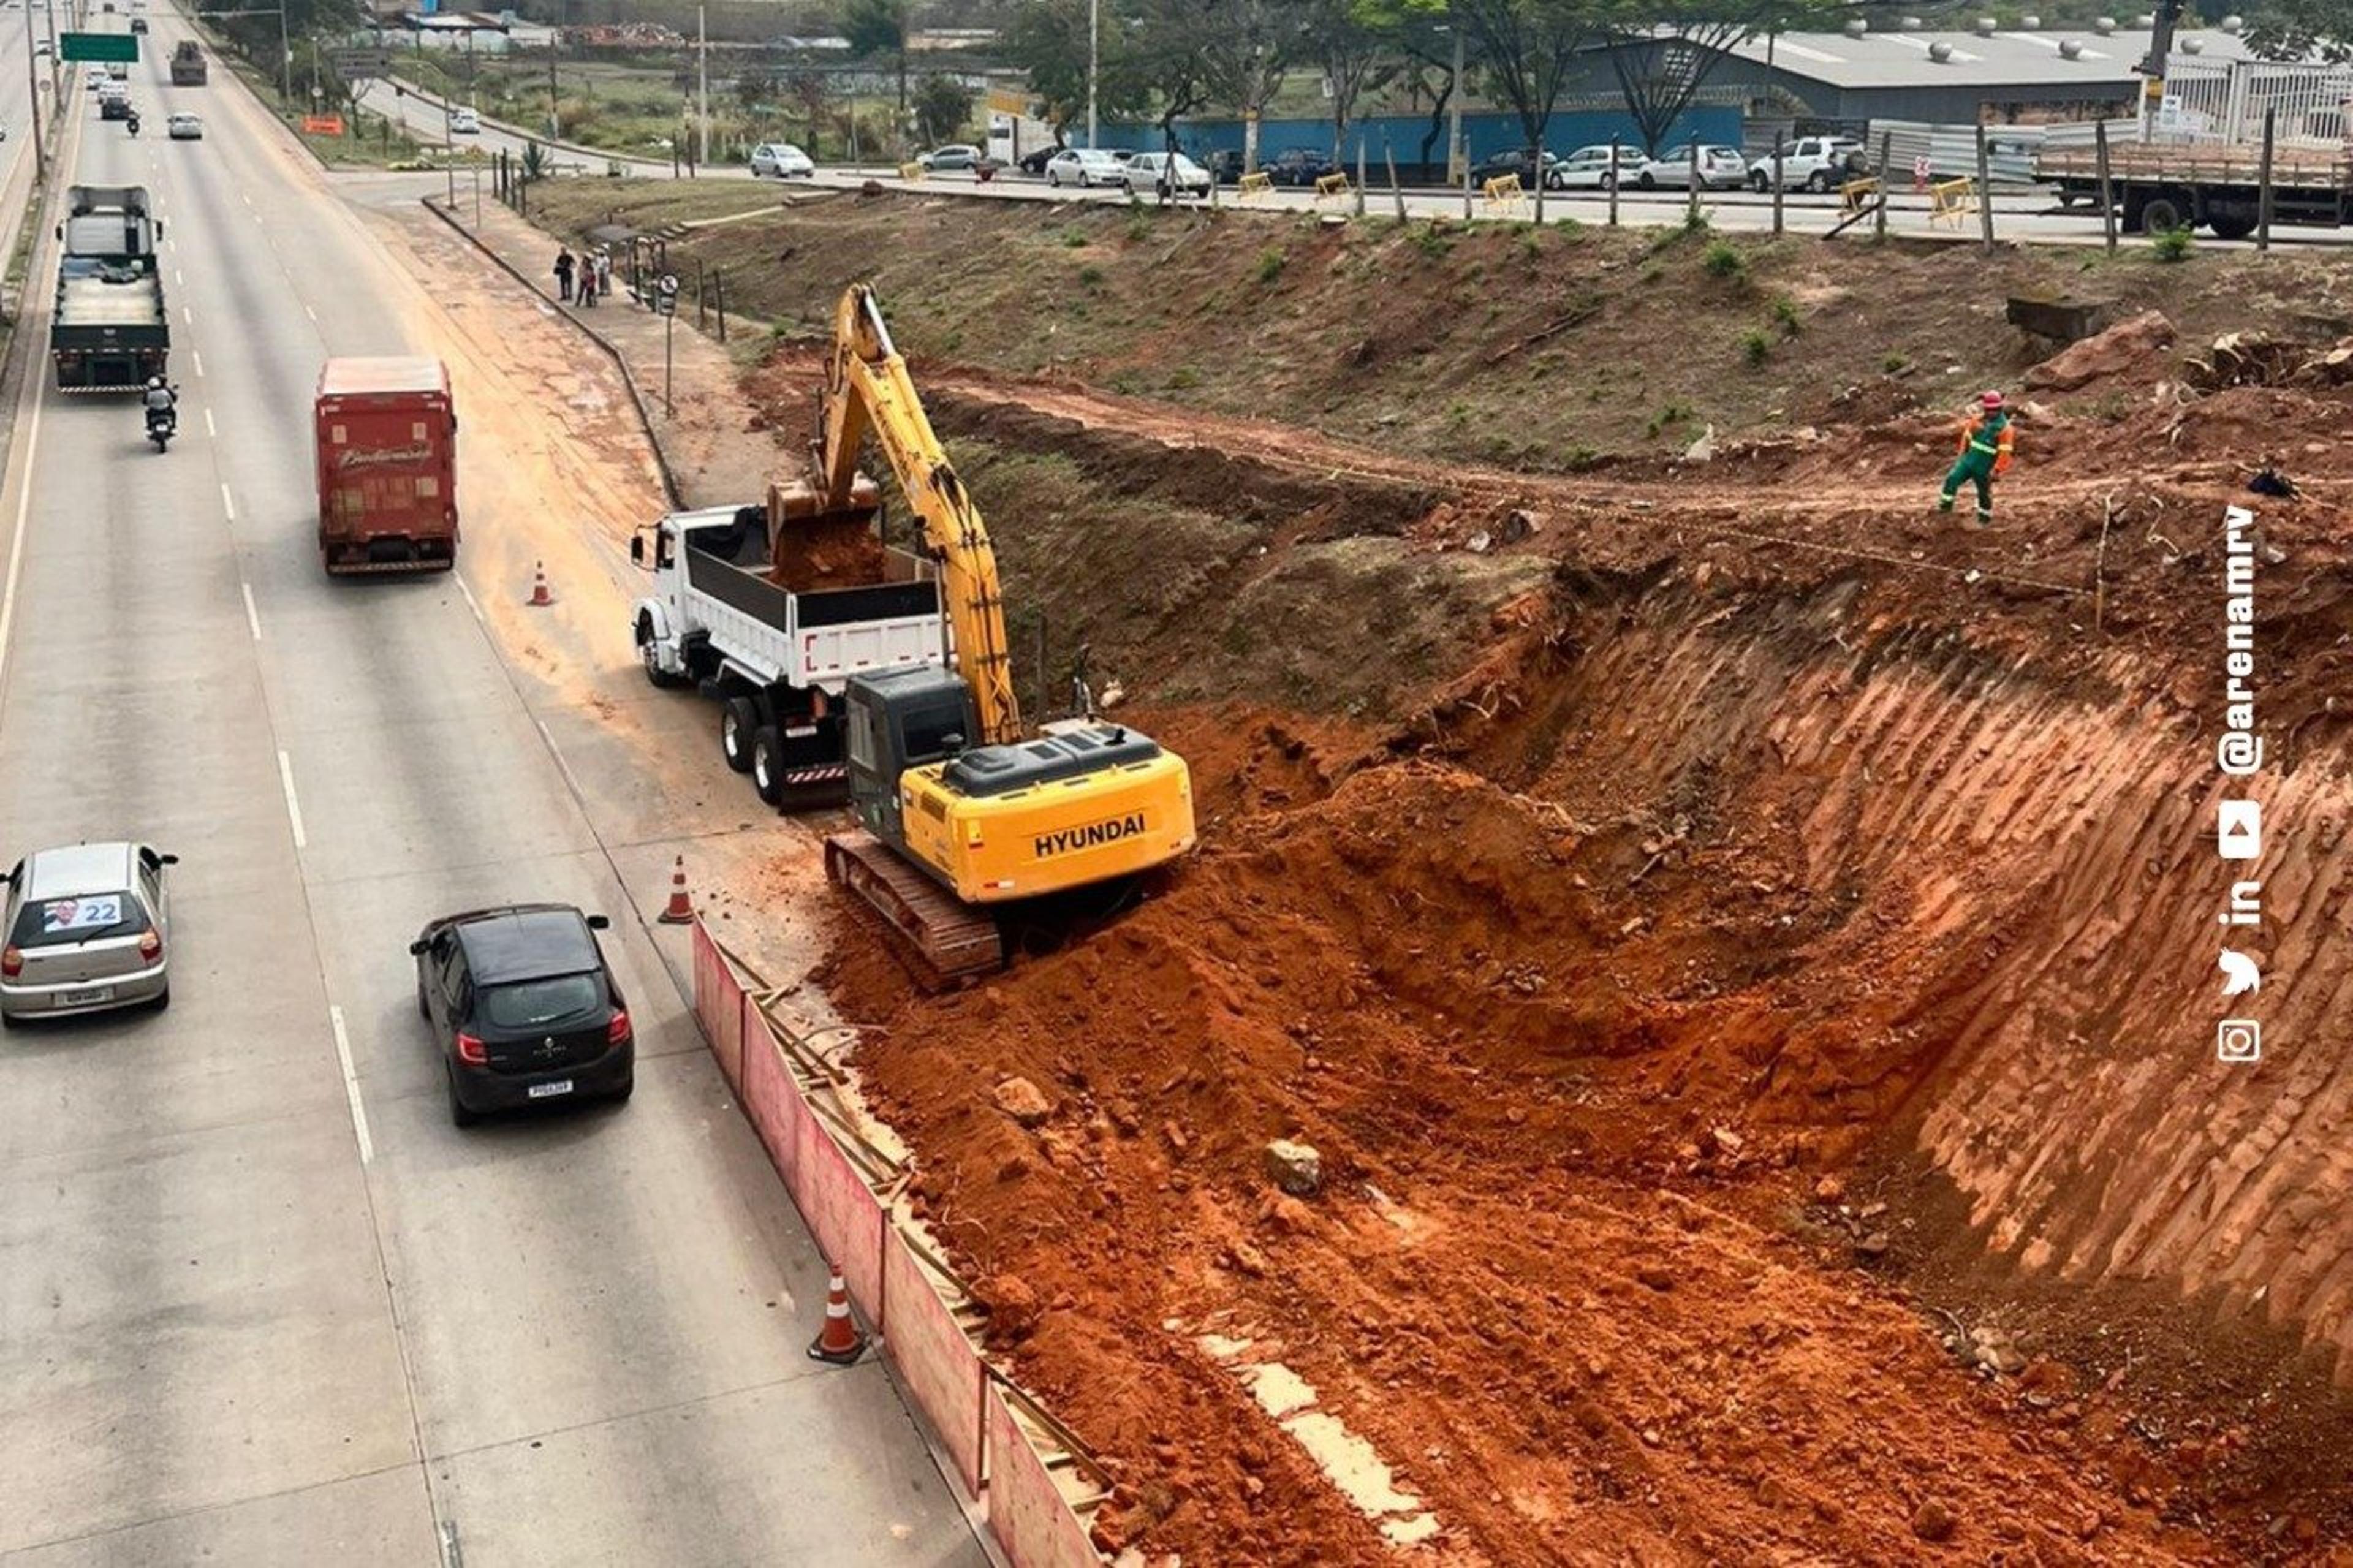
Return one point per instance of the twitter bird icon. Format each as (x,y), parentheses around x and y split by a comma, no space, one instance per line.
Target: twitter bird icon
(2240,975)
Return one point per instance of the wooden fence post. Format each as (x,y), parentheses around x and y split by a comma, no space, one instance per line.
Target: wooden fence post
(2107,192)
(1879,219)
(2263,189)
(1613,182)
(1777,184)
(1985,189)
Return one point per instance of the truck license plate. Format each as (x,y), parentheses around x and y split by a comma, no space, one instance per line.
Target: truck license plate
(548,1091)
(85,998)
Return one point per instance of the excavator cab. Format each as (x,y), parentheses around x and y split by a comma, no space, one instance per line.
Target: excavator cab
(895,722)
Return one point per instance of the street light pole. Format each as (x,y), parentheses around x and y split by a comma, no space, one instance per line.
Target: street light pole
(1094,61)
(285,61)
(1458,157)
(32,95)
(701,89)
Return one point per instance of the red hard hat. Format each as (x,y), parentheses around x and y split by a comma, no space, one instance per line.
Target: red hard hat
(1991,400)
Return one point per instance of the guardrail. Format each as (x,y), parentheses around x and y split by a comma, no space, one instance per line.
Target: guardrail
(1039,1485)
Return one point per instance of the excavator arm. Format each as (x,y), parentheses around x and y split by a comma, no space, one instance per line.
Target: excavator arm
(868,391)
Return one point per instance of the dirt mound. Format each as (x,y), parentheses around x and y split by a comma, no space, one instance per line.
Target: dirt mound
(813,557)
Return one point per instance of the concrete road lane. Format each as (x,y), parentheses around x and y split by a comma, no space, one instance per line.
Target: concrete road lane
(254,1287)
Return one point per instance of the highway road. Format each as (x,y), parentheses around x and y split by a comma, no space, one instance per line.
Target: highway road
(260,1300)
(2031,217)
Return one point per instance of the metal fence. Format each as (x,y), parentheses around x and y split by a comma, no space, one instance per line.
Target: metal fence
(2225,101)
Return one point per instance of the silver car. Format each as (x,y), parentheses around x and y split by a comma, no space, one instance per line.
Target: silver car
(782,161)
(1083,166)
(90,928)
(1720,168)
(1143,172)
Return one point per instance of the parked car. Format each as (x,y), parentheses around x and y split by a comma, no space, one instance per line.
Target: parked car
(465,123)
(1226,166)
(1299,166)
(783,160)
(1083,166)
(1811,162)
(89,929)
(957,155)
(523,1008)
(1143,174)
(185,127)
(1720,168)
(1593,169)
(1034,161)
(1523,162)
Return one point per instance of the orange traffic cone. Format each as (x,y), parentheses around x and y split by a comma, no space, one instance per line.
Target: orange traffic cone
(540,597)
(682,909)
(840,1342)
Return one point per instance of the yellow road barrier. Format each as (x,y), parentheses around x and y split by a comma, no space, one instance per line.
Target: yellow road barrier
(1504,192)
(910,170)
(1252,185)
(1855,195)
(1331,185)
(1953,200)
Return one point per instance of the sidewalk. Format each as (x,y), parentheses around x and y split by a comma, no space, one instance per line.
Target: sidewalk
(711,455)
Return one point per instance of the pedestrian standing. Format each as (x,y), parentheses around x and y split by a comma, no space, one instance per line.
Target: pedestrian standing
(1988,445)
(564,266)
(589,280)
(604,270)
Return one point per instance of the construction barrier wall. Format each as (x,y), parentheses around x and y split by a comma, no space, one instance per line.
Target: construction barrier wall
(1026,1513)
(937,1364)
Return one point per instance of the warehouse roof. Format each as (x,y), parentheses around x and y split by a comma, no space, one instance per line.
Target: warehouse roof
(2008,58)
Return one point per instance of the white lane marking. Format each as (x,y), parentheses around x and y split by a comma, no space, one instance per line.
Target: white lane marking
(350,1083)
(199,359)
(178,281)
(209,425)
(172,246)
(468,593)
(187,317)
(312,314)
(293,807)
(228,503)
(252,615)
(24,506)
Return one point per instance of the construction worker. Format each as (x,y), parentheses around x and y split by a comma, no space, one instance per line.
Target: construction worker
(1987,443)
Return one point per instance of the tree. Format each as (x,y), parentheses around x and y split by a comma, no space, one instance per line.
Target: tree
(881,27)
(1663,55)
(1249,47)
(1354,44)
(943,107)
(1047,39)
(1423,32)
(1171,42)
(1526,49)
(804,85)
(755,85)
(2303,30)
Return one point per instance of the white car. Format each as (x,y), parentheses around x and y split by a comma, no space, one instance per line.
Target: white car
(1594,168)
(1811,162)
(465,123)
(94,78)
(1083,166)
(185,127)
(782,161)
(1142,174)
(1720,168)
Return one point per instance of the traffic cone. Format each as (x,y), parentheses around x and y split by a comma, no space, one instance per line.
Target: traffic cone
(540,597)
(681,911)
(840,1343)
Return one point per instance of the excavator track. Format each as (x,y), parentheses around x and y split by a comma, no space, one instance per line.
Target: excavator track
(943,942)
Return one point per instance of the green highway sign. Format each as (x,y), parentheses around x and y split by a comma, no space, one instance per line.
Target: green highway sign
(103,47)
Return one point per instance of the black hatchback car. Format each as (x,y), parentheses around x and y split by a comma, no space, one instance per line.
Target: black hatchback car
(525,1008)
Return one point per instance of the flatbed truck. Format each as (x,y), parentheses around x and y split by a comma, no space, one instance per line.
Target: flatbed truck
(109,330)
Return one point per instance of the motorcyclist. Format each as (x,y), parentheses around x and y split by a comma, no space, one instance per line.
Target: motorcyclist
(163,403)
(133,120)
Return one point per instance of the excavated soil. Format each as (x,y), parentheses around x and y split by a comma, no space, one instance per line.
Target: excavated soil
(1743,949)
(817,555)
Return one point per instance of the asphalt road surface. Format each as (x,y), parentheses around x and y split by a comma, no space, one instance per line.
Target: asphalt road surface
(260,1300)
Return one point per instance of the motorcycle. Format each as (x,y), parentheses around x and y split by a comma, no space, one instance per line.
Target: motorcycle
(133,121)
(162,424)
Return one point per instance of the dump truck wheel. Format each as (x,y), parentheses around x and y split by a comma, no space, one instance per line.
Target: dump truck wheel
(738,721)
(767,766)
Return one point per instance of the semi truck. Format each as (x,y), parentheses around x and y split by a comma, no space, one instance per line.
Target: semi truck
(110,329)
(188,65)
(385,437)
(776,660)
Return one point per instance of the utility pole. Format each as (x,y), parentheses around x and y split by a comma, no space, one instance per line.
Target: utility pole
(554,114)
(285,61)
(701,87)
(1094,61)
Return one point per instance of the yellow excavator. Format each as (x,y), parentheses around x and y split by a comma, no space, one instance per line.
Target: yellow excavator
(965,817)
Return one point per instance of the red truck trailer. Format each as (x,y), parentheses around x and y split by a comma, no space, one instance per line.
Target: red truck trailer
(387,437)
